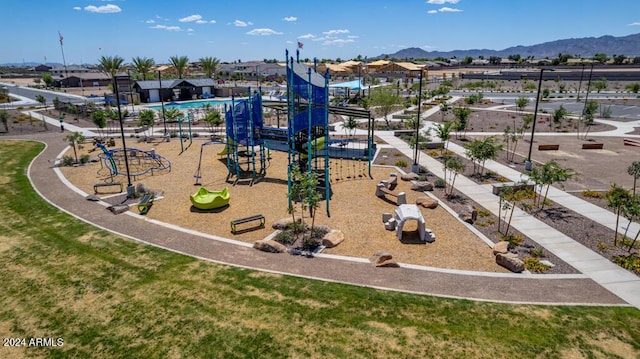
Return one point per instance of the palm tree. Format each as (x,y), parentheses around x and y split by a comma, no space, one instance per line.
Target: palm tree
(74,139)
(209,64)
(181,64)
(111,65)
(143,66)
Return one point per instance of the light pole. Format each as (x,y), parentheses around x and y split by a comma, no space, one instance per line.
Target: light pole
(416,167)
(580,84)
(164,118)
(130,188)
(528,165)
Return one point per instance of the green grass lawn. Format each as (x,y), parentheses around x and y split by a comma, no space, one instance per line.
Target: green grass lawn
(109,297)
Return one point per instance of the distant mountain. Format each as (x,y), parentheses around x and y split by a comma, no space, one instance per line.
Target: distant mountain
(585,47)
(30,64)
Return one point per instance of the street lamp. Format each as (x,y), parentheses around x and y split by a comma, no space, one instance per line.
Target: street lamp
(416,167)
(130,188)
(164,118)
(580,84)
(528,165)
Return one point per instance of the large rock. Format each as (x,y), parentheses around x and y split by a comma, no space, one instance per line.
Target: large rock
(383,259)
(282,223)
(427,202)
(118,208)
(422,186)
(510,261)
(270,246)
(469,214)
(332,238)
(410,177)
(501,247)
(92,197)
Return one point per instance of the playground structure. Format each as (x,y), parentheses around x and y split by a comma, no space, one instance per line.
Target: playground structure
(305,138)
(140,162)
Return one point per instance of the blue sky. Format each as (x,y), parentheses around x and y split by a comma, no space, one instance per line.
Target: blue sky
(257,29)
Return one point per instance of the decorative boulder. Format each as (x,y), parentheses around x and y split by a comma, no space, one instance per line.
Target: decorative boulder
(427,202)
(501,247)
(410,177)
(282,223)
(422,186)
(469,214)
(383,259)
(332,238)
(118,208)
(270,246)
(92,197)
(510,261)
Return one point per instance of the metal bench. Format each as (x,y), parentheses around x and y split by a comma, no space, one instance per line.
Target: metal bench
(100,185)
(548,147)
(592,146)
(257,217)
(145,203)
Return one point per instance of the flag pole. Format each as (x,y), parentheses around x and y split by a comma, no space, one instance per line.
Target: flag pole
(64,62)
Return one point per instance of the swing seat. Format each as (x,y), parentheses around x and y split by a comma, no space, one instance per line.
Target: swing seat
(205,199)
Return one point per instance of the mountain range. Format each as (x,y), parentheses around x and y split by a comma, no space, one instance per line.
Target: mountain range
(582,47)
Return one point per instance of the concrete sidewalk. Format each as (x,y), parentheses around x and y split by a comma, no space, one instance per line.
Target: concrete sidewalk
(619,281)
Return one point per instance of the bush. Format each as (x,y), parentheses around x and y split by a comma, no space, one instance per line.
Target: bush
(537,252)
(533,265)
(592,194)
(439,183)
(67,160)
(84,159)
(630,262)
(401,163)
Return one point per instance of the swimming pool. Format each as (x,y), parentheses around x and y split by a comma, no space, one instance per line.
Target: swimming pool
(190,104)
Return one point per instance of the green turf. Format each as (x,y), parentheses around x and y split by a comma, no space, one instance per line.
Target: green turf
(109,297)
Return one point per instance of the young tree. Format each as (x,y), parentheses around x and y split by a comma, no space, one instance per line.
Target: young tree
(546,175)
(633,213)
(385,101)
(590,110)
(510,138)
(462,117)
(443,131)
(479,151)
(99,119)
(47,79)
(521,103)
(634,170)
(452,166)
(350,125)
(73,139)
(601,84)
(559,116)
(617,197)
(42,100)
(214,119)
(444,109)
(147,117)
(180,65)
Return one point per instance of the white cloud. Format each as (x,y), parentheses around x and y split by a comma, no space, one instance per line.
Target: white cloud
(150,21)
(338,42)
(637,23)
(290,19)
(307,36)
(165,27)
(191,18)
(263,32)
(352,37)
(106,9)
(432,12)
(440,2)
(240,23)
(336,32)
(448,9)
(190,30)
(77,8)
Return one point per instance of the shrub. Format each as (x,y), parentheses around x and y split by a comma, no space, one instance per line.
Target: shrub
(537,252)
(84,158)
(401,163)
(439,183)
(483,213)
(592,194)
(67,160)
(533,265)
(630,262)
(513,239)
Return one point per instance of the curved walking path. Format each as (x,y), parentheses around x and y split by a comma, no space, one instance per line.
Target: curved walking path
(514,288)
